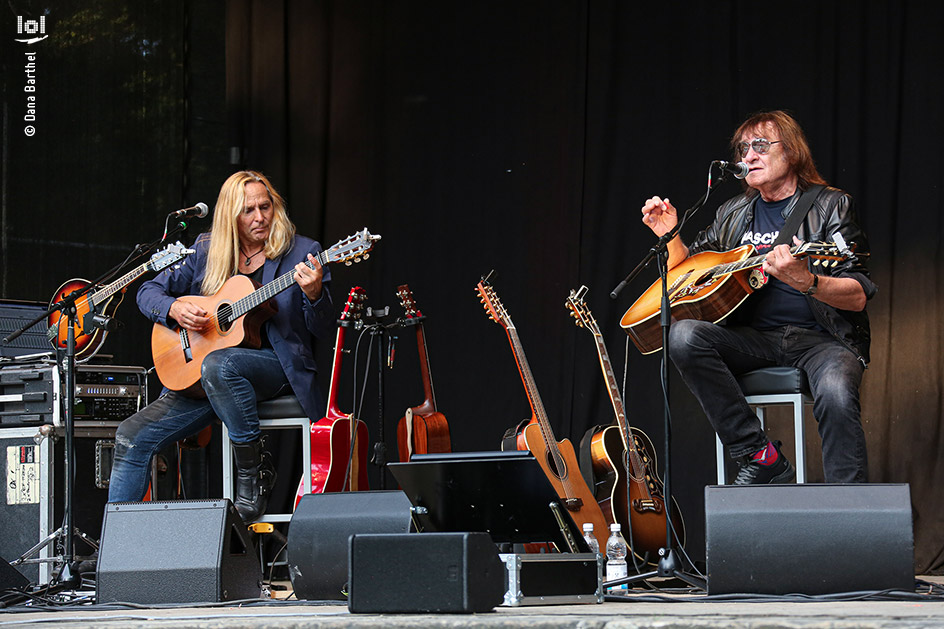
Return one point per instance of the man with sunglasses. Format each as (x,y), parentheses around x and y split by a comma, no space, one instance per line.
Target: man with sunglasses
(808,317)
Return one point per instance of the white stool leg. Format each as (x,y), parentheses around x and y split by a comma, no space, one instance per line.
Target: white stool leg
(799,437)
(719,452)
(227,465)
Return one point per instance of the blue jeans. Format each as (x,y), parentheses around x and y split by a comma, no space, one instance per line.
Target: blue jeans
(709,356)
(233,379)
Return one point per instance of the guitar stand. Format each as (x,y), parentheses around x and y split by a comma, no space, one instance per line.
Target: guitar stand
(668,565)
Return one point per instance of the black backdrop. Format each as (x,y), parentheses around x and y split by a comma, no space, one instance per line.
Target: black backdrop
(516,136)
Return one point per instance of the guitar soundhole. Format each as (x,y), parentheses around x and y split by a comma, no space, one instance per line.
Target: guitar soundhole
(224,316)
(559,472)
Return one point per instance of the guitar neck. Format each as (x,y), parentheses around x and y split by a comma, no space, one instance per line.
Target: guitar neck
(616,399)
(105,293)
(425,373)
(748,263)
(534,397)
(270,290)
(332,409)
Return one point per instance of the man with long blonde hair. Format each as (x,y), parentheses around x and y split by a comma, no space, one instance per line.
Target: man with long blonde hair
(809,317)
(253,236)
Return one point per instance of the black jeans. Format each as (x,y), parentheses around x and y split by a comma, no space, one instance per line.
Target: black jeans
(709,356)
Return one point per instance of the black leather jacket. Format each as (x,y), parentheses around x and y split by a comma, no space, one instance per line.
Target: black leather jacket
(832,211)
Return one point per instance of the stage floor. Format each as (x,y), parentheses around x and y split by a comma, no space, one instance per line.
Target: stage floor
(639,610)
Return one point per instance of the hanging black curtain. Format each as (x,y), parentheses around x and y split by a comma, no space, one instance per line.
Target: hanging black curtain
(523,137)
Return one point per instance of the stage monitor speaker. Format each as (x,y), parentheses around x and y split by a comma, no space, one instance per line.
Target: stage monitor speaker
(10,577)
(808,539)
(187,551)
(319,531)
(425,572)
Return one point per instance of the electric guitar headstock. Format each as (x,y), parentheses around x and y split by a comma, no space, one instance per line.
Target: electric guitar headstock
(580,311)
(353,306)
(168,256)
(493,305)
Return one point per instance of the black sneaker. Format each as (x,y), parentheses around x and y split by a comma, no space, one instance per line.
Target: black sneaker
(752,473)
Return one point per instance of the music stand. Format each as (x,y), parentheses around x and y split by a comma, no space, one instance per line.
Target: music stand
(504,494)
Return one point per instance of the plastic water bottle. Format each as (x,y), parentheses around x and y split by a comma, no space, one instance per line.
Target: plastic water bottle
(616,567)
(590,538)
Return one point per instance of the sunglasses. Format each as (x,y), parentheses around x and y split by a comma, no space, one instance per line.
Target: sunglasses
(761,146)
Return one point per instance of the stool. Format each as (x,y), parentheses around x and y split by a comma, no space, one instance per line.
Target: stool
(283,411)
(772,386)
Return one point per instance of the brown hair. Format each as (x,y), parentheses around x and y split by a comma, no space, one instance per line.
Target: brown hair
(793,140)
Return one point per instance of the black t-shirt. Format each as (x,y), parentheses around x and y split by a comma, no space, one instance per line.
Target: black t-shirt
(256,276)
(776,304)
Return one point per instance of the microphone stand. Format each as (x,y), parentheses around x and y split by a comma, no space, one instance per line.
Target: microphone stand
(668,565)
(67,361)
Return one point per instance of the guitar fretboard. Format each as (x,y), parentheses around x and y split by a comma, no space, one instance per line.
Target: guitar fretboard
(267,292)
(116,286)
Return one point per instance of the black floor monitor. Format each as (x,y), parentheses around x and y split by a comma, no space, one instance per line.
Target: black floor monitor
(505,494)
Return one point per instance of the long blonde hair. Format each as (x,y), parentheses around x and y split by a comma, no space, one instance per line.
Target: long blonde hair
(223,255)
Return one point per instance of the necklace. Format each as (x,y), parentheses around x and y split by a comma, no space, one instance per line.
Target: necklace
(250,257)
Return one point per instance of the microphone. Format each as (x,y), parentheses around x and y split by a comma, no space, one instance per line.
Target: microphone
(199,210)
(739,170)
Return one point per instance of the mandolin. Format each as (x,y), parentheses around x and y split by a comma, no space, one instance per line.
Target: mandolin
(88,337)
(709,286)
(237,312)
(421,429)
(336,465)
(643,518)
(556,458)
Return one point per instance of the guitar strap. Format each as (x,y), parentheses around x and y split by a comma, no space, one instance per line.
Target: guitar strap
(796,217)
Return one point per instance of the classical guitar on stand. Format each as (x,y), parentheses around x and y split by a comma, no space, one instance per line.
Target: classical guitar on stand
(101,302)
(556,458)
(339,440)
(708,286)
(422,429)
(237,311)
(642,519)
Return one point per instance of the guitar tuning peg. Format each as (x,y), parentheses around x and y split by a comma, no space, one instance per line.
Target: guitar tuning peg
(816,262)
(347,263)
(366,255)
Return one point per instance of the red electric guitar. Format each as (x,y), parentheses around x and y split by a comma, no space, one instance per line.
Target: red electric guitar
(422,429)
(335,464)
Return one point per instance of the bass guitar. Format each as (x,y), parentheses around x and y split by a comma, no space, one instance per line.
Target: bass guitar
(339,440)
(89,337)
(643,518)
(422,429)
(708,286)
(237,311)
(556,458)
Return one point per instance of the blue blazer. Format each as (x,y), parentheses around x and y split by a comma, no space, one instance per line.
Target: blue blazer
(292,331)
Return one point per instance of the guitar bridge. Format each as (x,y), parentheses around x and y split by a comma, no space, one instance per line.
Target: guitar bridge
(573,504)
(643,505)
(185,345)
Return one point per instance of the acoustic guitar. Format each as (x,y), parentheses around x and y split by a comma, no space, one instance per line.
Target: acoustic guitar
(422,429)
(643,518)
(237,312)
(89,337)
(708,286)
(339,440)
(556,458)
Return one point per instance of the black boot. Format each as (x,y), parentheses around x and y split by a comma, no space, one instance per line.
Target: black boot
(255,478)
